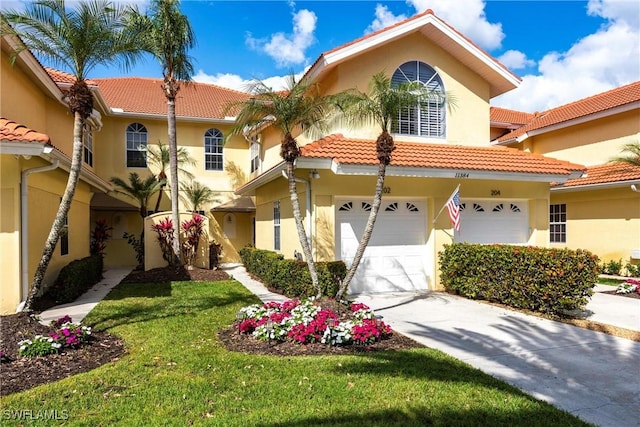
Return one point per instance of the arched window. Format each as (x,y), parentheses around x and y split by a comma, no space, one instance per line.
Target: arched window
(213,160)
(137,137)
(427,119)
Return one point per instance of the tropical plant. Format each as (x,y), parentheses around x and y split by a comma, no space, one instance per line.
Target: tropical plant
(164,230)
(381,106)
(197,195)
(167,35)
(159,157)
(633,154)
(138,189)
(193,230)
(141,191)
(299,107)
(77,39)
(99,237)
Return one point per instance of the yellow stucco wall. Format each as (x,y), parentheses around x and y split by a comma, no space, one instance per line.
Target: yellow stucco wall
(110,154)
(153,253)
(606,222)
(9,233)
(233,231)
(591,143)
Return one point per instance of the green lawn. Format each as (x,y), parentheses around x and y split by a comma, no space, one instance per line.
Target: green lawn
(610,282)
(176,373)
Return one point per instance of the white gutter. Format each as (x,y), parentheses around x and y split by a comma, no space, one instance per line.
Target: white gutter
(24,228)
(119,112)
(307,220)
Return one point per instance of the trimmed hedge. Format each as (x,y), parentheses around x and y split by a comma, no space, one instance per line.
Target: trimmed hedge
(550,281)
(76,278)
(291,277)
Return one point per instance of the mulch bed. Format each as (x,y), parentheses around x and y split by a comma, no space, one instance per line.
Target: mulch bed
(634,295)
(19,374)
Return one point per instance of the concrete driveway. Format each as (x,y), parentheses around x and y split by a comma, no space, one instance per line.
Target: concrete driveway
(590,374)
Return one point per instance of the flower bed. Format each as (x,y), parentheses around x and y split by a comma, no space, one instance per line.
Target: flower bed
(67,334)
(306,322)
(629,286)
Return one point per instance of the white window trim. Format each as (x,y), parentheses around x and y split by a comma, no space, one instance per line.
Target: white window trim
(277,238)
(563,207)
(215,140)
(140,148)
(87,145)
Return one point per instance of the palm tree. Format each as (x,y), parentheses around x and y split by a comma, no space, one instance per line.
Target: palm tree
(91,33)
(167,36)
(633,158)
(138,189)
(381,106)
(299,107)
(159,157)
(197,195)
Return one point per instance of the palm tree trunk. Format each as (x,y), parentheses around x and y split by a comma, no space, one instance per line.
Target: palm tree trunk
(173,171)
(159,198)
(306,248)
(61,215)
(366,235)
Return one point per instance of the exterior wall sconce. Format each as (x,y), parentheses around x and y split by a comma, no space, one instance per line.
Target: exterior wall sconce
(314,174)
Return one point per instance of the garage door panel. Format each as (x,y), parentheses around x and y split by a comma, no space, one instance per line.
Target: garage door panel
(495,221)
(395,258)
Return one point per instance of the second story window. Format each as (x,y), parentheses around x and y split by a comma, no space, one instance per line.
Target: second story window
(137,138)
(87,145)
(255,156)
(213,160)
(427,119)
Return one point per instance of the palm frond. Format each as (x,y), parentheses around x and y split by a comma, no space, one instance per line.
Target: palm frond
(633,156)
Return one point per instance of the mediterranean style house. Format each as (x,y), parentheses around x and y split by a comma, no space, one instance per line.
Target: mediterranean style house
(526,179)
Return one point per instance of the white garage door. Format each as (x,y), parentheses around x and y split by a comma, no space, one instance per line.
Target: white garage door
(395,258)
(494,221)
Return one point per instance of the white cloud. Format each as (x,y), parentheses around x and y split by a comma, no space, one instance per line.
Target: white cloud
(600,61)
(384,18)
(617,10)
(236,82)
(466,16)
(516,60)
(289,49)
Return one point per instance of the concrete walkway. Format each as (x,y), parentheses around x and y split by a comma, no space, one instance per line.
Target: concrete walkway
(79,309)
(593,375)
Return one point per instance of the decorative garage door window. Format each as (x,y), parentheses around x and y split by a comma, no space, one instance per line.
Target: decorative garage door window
(503,221)
(396,257)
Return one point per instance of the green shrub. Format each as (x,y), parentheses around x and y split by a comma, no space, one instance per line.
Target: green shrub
(291,277)
(612,267)
(632,270)
(76,278)
(545,280)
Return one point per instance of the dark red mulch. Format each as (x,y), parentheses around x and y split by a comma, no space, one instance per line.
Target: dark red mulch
(629,295)
(246,343)
(19,374)
(171,274)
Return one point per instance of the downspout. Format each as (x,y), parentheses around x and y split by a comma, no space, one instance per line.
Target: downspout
(24,228)
(307,220)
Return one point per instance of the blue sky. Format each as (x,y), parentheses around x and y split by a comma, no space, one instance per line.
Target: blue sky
(563,50)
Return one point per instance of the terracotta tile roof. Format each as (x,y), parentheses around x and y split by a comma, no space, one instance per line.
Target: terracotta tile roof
(438,156)
(15,132)
(65,78)
(603,174)
(145,95)
(504,115)
(594,104)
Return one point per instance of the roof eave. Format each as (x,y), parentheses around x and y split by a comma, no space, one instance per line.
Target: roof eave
(24,148)
(118,112)
(601,186)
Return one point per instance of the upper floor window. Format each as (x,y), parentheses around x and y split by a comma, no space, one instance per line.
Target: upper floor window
(213,160)
(255,156)
(426,119)
(137,138)
(87,145)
